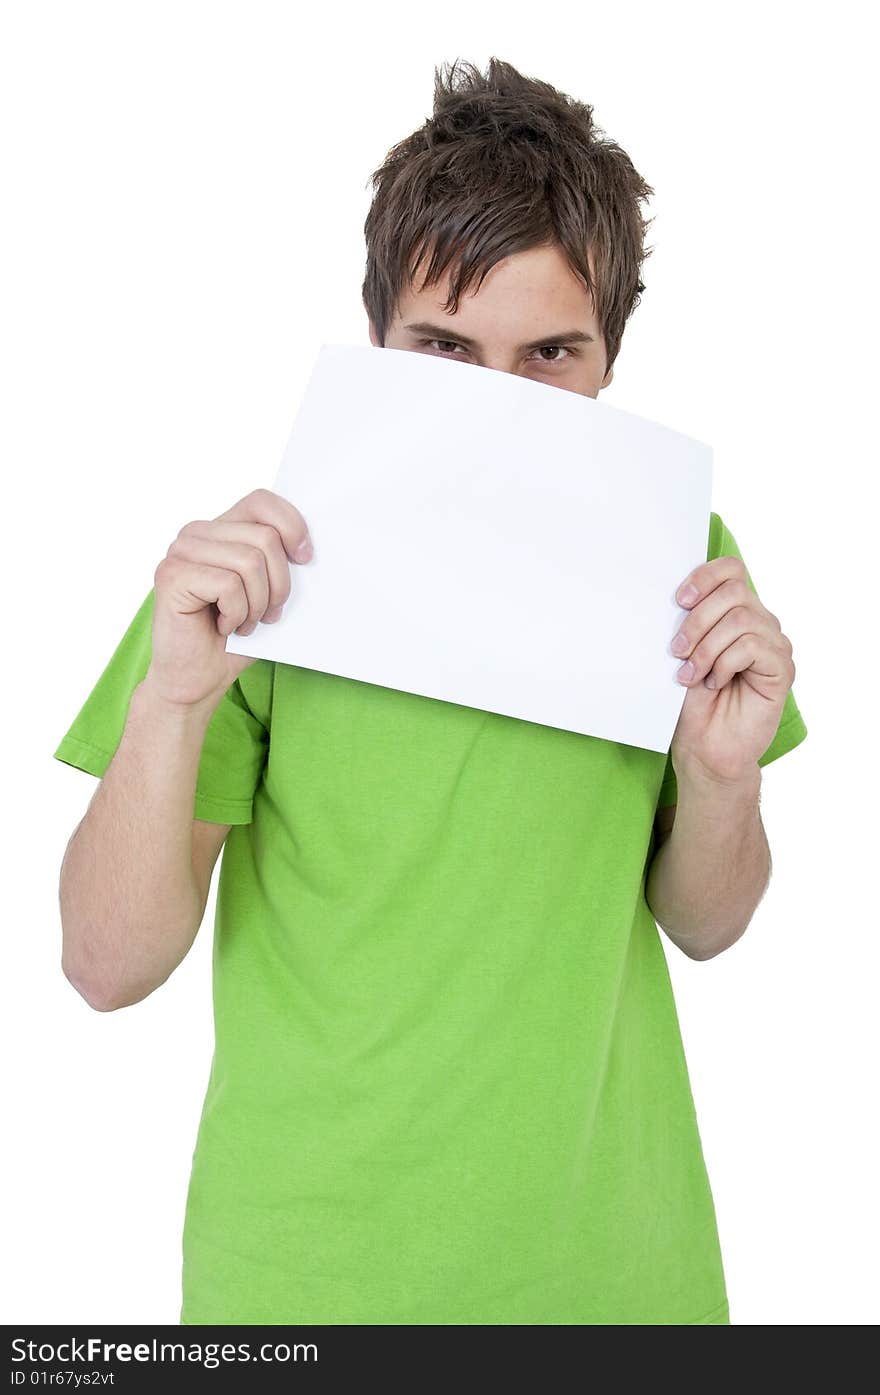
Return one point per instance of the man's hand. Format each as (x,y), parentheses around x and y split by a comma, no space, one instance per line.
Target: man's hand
(741,672)
(219,575)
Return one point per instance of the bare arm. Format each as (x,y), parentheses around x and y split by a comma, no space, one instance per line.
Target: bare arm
(711,870)
(137,871)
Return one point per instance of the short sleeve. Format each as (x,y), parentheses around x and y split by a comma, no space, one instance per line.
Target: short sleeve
(792,729)
(236,739)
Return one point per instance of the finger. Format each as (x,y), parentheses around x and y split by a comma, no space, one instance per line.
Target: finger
(752,655)
(265,506)
(707,576)
(192,586)
(244,535)
(732,598)
(248,563)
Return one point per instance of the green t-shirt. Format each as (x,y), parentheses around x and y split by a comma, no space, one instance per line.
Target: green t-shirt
(448,1083)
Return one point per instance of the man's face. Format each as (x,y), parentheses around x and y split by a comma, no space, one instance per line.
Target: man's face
(521,320)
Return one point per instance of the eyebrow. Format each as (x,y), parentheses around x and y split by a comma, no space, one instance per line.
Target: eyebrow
(570,336)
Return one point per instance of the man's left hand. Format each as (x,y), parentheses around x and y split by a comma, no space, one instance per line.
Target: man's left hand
(734,642)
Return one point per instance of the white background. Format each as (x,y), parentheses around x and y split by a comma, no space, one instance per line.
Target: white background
(184,189)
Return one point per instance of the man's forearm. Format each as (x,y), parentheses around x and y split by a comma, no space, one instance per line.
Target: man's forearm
(129,899)
(706,880)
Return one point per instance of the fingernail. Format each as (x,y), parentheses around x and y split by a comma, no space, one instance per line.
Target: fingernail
(272,614)
(685,672)
(304,550)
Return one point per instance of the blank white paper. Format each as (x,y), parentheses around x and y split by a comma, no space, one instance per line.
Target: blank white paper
(492,541)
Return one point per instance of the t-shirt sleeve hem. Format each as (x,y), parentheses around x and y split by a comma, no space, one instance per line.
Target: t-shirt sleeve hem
(83,755)
(210,808)
(214,810)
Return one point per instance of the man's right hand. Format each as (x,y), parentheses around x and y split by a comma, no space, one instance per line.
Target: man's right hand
(218,576)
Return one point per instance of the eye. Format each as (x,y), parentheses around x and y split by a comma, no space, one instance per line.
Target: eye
(429,342)
(561,348)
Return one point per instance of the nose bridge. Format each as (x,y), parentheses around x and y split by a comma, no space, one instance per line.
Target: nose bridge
(497,359)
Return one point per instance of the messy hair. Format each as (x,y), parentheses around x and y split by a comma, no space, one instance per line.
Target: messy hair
(505,163)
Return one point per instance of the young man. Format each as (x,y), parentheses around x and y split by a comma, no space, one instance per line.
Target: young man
(448,1084)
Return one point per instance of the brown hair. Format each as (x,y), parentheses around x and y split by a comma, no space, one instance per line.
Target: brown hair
(504,164)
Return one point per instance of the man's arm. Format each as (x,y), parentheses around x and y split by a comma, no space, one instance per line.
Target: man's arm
(135,877)
(710,871)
